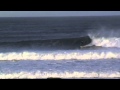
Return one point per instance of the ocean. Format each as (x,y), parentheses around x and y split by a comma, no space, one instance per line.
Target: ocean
(60,47)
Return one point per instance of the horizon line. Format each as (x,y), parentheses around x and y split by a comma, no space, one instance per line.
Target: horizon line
(62,16)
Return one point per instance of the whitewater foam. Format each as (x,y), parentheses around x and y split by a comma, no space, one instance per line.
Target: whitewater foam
(107,42)
(105,37)
(61,55)
(38,74)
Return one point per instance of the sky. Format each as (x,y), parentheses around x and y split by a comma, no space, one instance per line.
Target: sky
(56,13)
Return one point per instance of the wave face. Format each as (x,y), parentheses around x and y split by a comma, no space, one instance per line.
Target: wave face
(65,43)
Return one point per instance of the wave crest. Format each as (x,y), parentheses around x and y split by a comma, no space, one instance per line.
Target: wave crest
(64,43)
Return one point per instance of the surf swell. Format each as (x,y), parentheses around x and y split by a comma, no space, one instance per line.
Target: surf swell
(65,43)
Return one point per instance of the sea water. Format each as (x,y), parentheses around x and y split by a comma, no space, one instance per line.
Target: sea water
(26,53)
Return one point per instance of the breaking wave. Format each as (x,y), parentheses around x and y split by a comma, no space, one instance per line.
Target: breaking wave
(33,75)
(61,55)
(106,42)
(63,43)
(105,37)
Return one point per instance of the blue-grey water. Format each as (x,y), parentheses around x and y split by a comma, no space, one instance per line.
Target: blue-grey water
(64,47)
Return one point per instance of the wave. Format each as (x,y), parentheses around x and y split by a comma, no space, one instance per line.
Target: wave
(46,75)
(61,55)
(106,41)
(105,37)
(63,43)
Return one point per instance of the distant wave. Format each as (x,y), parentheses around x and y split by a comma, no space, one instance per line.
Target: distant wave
(61,55)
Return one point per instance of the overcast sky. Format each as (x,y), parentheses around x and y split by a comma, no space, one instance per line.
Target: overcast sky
(56,13)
